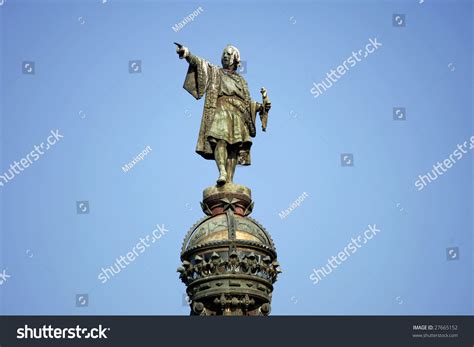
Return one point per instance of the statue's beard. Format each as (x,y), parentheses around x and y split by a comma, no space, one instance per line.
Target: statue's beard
(229,66)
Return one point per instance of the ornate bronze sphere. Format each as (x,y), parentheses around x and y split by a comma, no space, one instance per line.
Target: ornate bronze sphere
(229,259)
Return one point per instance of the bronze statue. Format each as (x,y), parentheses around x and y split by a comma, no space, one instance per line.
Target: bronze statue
(229,261)
(228,121)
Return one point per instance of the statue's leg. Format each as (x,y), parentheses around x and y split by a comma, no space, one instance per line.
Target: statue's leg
(231,162)
(220,154)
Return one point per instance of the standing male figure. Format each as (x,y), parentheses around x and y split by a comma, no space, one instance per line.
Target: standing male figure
(228,120)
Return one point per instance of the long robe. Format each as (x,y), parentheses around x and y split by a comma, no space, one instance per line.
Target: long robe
(203,78)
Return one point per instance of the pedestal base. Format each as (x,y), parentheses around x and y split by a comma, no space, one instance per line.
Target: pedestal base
(217,199)
(229,261)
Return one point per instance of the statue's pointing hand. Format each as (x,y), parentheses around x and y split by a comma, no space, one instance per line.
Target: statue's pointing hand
(182,51)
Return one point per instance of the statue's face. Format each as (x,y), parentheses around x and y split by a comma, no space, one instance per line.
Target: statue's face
(228,58)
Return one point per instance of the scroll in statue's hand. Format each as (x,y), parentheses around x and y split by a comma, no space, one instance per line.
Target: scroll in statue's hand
(267,107)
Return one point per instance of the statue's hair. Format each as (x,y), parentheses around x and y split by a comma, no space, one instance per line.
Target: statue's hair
(236,54)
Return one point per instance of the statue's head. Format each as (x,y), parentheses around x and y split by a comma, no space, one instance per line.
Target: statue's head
(230,57)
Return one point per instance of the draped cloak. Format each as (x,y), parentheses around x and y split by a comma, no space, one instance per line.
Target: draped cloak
(203,78)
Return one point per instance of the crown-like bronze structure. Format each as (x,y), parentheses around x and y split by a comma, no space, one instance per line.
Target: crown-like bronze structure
(229,261)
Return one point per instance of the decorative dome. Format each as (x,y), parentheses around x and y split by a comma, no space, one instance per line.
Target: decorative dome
(228,259)
(214,231)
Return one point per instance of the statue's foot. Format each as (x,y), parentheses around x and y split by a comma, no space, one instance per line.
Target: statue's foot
(222,179)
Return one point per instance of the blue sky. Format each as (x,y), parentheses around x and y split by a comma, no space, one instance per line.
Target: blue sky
(82,86)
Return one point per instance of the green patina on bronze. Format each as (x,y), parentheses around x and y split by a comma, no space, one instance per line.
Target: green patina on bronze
(228,120)
(229,261)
